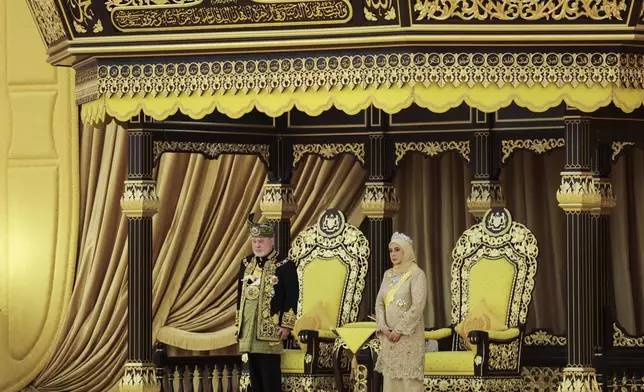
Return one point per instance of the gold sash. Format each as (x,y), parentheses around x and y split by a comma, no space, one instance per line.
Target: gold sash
(394,289)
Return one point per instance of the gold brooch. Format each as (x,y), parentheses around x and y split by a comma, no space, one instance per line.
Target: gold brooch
(401,303)
(252,292)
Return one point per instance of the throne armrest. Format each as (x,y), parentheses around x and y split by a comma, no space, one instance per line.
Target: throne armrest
(504,336)
(311,336)
(319,346)
(497,352)
(438,333)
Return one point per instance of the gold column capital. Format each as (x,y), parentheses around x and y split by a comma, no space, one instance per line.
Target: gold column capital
(139,377)
(577,192)
(278,202)
(579,379)
(484,195)
(140,198)
(608,201)
(380,200)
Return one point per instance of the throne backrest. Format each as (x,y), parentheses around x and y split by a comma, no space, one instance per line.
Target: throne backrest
(332,259)
(494,261)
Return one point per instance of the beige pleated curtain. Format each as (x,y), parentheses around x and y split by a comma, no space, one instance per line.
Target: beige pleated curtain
(197,257)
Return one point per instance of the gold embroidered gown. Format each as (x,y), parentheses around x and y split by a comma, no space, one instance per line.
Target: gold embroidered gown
(400,305)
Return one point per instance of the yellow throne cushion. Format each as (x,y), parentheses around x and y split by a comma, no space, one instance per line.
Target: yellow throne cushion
(481,318)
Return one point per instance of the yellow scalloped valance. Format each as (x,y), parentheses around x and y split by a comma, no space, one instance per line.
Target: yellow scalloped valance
(390,99)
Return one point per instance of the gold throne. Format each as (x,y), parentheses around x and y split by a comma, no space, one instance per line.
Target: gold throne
(493,270)
(332,259)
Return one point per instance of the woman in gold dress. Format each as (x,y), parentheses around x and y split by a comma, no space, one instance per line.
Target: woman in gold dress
(399,316)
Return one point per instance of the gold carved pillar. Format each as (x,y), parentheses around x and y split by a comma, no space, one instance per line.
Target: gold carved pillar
(278,203)
(278,206)
(578,197)
(379,205)
(139,203)
(486,189)
(601,166)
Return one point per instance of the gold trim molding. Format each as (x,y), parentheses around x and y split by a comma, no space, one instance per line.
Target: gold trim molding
(139,377)
(432,148)
(278,202)
(512,10)
(328,150)
(368,71)
(623,339)
(538,146)
(380,200)
(484,195)
(617,147)
(577,192)
(140,198)
(579,380)
(543,338)
(211,150)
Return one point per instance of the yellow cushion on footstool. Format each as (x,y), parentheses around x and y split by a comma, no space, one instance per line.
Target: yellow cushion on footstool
(451,363)
(292,361)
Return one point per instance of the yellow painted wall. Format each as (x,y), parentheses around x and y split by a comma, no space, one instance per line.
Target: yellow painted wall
(38,196)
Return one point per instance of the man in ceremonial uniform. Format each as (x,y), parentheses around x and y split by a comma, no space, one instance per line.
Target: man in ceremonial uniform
(267,296)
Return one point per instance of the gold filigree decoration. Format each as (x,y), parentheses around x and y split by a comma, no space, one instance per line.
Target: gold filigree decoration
(288,319)
(579,380)
(309,383)
(140,198)
(617,147)
(543,338)
(328,150)
(541,379)
(86,84)
(380,200)
(344,356)
(504,356)
(244,382)
(510,10)
(83,15)
(278,202)
(538,146)
(371,71)
(623,339)
(111,4)
(484,195)
(216,14)
(360,379)
(577,192)
(468,384)
(325,355)
(48,20)
(376,9)
(211,150)
(431,148)
(267,322)
(604,187)
(139,377)
(514,242)
(350,246)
